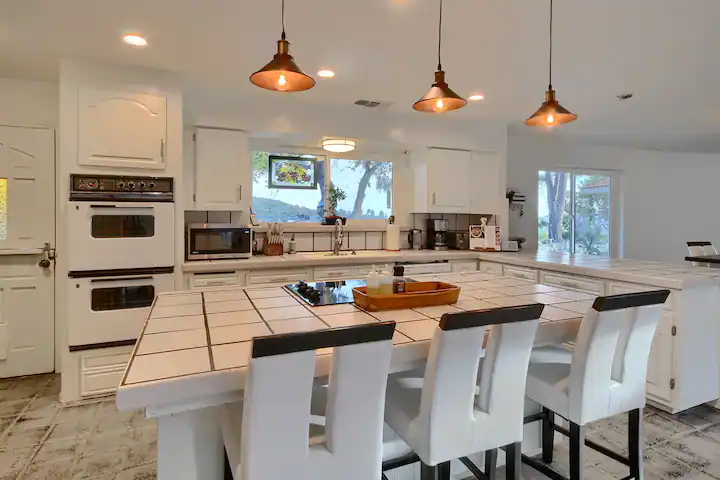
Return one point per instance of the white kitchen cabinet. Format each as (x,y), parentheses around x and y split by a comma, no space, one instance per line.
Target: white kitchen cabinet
(487,186)
(491,268)
(121,129)
(279,277)
(217,280)
(593,286)
(334,273)
(659,381)
(102,370)
(520,272)
(222,170)
(442,181)
(461,267)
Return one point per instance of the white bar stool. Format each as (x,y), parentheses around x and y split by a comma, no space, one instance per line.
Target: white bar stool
(696,249)
(603,375)
(267,435)
(465,404)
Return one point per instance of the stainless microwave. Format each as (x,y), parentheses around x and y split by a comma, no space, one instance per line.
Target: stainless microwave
(218,241)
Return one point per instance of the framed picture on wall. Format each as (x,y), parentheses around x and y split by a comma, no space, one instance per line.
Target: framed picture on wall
(292,172)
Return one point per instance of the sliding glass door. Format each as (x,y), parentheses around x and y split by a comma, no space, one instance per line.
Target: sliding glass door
(574,212)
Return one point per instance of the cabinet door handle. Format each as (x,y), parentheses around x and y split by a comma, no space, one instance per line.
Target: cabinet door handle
(162,150)
(433,198)
(239,192)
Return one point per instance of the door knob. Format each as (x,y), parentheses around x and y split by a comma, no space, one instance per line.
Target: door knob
(44,263)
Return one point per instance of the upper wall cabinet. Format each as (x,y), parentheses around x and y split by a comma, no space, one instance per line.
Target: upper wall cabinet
(222,170)
(457,181)
(120,129)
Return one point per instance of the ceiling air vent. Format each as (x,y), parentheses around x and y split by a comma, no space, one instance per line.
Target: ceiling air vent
(373,104)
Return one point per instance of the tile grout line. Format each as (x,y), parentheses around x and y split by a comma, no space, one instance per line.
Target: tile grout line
(257,310)
(207,334)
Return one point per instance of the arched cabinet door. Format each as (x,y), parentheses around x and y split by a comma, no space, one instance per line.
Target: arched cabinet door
(121,129)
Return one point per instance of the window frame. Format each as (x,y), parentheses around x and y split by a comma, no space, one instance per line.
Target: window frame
(359,223)
(616,219)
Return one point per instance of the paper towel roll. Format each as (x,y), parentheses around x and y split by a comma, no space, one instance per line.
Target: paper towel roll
(392,237)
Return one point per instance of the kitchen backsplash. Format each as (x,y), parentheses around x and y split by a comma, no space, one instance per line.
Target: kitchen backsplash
(356,240)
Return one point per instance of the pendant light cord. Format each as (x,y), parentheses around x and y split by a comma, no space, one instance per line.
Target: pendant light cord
(550,82)
(283,20)
(439,66)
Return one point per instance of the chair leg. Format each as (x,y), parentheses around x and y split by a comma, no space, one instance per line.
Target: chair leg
(635,443)
(513,457)
(491,464)
(548,435)
(577,442)
(441,471)
(228,469)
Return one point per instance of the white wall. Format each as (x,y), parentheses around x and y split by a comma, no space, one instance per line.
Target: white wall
(28,104)
(667,198)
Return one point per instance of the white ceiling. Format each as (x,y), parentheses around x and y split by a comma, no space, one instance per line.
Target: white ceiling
(664,51)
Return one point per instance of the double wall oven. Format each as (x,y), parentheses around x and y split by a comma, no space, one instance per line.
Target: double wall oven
(120,253)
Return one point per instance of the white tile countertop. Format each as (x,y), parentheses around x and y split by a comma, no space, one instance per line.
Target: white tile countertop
(198,344)
(315,259)
(626,270)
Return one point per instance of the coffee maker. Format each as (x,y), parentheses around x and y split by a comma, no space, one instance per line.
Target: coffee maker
(438,235)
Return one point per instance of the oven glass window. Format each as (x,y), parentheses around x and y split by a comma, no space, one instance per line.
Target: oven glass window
(122,226)
(122,298)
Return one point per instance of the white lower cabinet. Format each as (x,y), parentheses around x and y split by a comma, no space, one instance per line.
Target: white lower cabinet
(102,370)
(660,382)
(520,272)
(337,273)
(215,280)
(461,267)
(268,277)
(491,268)
(593,286)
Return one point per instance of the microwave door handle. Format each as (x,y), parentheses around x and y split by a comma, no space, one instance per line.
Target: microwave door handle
(124,207)
(121,279)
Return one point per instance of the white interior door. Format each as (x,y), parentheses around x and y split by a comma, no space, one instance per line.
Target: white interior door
(27,222)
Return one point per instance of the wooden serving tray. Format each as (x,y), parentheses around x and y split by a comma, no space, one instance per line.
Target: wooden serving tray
(417,294)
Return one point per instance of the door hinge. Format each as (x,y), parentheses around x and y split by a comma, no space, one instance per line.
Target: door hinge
(672,383)
(194,137)
(194,199)
(673,330)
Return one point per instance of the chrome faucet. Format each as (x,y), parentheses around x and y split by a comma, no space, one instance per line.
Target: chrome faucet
(339,234)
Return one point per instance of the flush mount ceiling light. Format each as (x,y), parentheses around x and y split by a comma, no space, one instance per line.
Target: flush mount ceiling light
(338,145)
(550,113)
(325,73)
(440,98)
(135,40)
(282,74)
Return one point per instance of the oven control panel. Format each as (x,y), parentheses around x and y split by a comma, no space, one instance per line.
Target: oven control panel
(112,183)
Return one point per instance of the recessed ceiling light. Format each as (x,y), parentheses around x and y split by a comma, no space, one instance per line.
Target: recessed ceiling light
(135,40)
(476,97)
(325,73)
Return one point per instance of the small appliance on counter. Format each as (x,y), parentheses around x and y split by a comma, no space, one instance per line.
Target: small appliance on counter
(459,240)
(320,294)
(218,241)
(510,246)
(392,235)
(485,237)
(415,239)
(437,236)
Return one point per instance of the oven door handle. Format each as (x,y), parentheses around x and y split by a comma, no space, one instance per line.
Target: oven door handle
(121,279)
(148,207)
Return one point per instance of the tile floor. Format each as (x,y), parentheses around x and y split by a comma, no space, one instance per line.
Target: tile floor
(42,439)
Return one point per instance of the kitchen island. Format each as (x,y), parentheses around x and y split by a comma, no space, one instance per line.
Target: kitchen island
(193,352)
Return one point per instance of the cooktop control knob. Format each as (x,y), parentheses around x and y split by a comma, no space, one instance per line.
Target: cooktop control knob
(142,184)
(131,184)
(302,287)
(314,296)
(121,184)
(152,184)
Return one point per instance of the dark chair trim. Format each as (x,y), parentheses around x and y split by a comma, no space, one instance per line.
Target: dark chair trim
(630,300)
(336,337)
(699,244)
(495,316)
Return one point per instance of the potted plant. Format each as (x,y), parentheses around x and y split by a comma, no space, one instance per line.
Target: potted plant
(335,195)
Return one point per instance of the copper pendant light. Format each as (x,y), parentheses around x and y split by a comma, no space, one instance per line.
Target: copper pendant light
(550,113)
(440,98)
(282,74)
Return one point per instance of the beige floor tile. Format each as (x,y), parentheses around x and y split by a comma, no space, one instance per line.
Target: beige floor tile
(233,318)
(231,355)
(168,364)
(166,342)
(238,333)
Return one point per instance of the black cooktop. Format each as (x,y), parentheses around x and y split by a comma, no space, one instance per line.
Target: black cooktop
(319,294)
